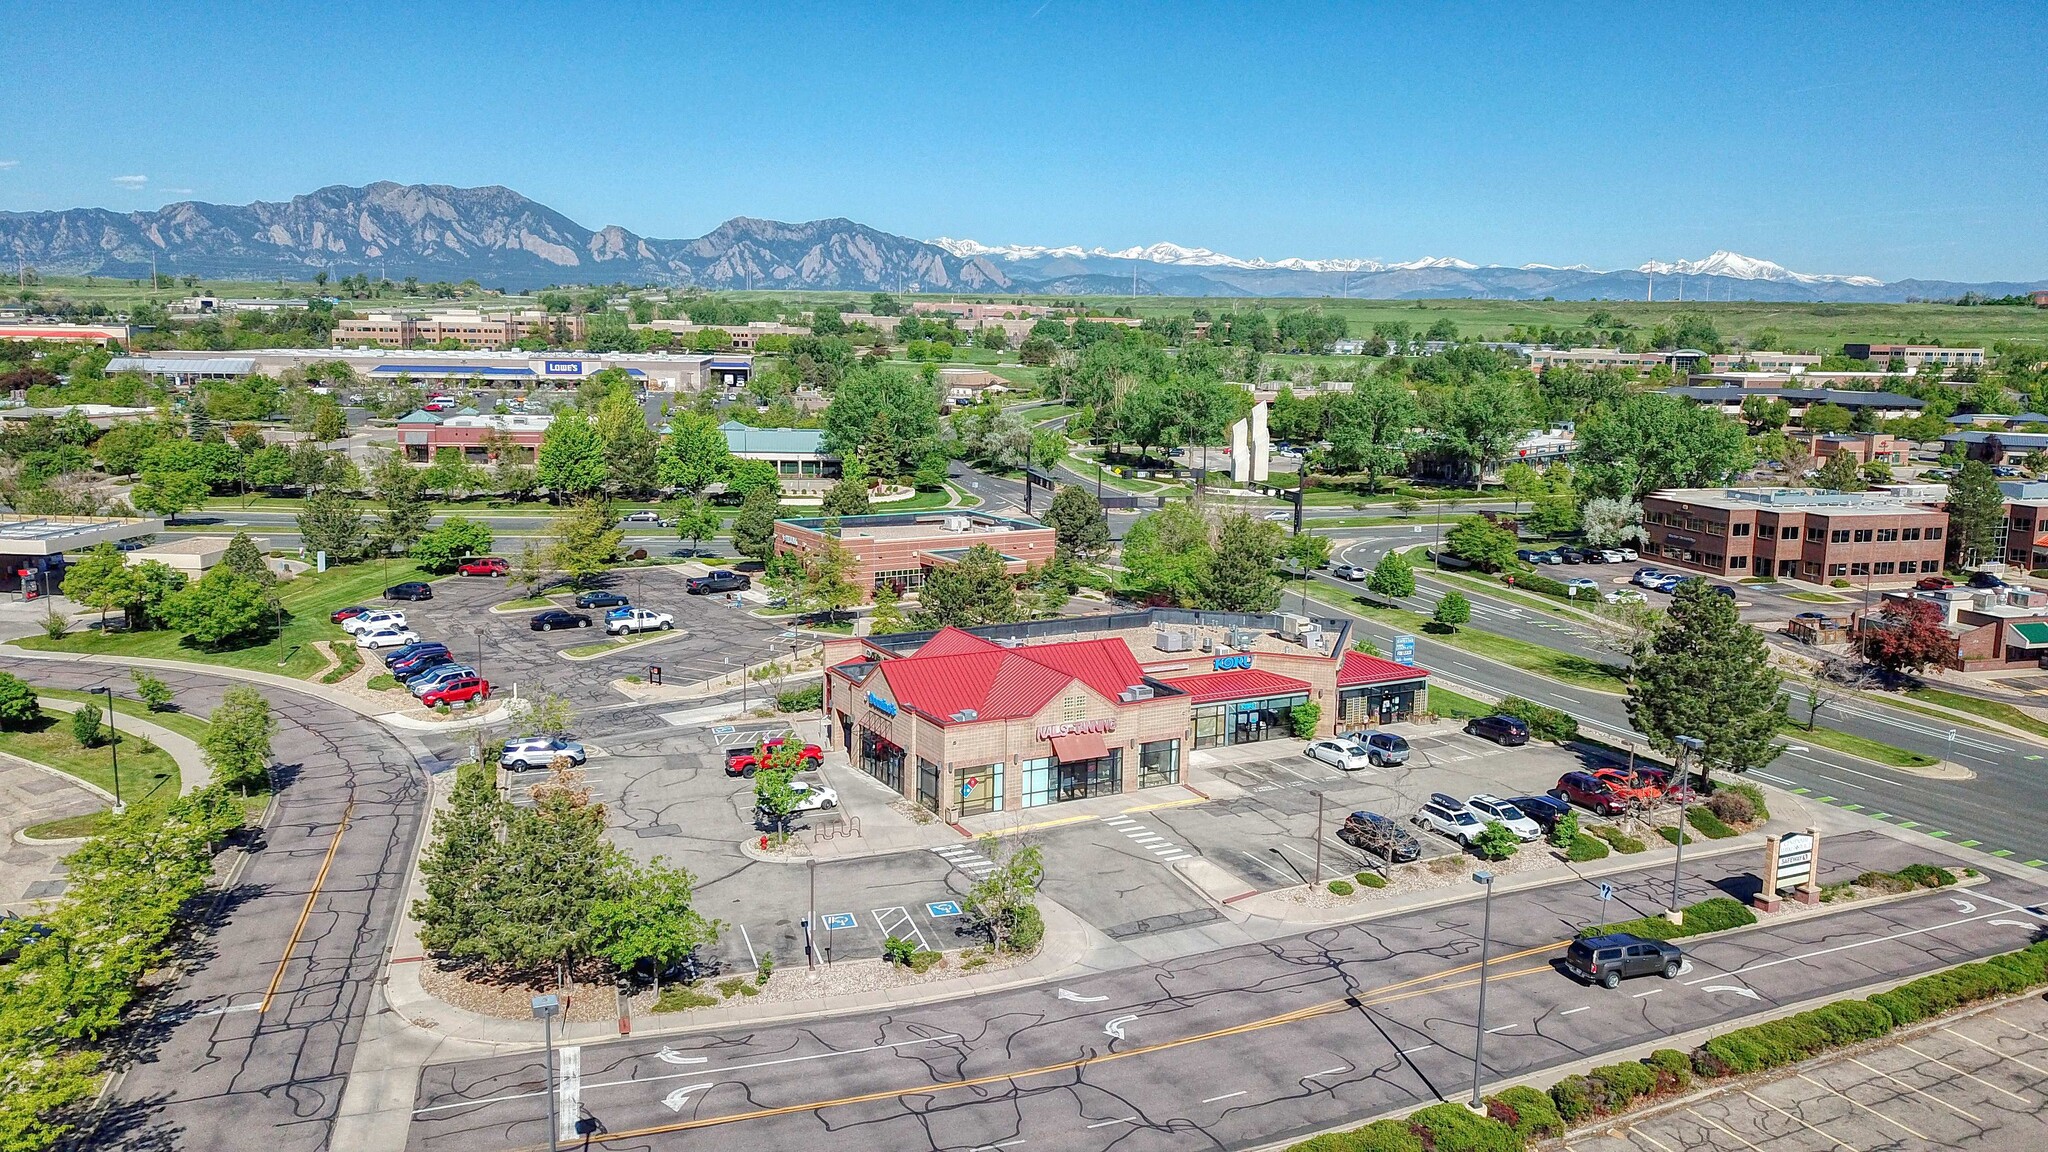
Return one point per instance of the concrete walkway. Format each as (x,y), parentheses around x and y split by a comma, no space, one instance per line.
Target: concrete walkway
(193,771)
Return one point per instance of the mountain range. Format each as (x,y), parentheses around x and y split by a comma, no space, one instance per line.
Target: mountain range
(503,239)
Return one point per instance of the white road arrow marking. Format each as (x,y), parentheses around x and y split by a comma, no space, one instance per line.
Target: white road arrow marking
(2013,923)
(1077,998)
(1963,906)
(675,1100)
(1115,1028)
(1732,988)
(668,1055)
(1684,966)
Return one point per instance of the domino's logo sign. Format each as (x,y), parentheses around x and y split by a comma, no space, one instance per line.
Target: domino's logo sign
(563,367)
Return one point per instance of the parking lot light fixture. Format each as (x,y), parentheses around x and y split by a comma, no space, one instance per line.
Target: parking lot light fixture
(114,747)
(545,1008)
(1687,746)
(1479,1033)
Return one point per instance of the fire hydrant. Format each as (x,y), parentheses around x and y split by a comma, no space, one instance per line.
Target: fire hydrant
(764,843)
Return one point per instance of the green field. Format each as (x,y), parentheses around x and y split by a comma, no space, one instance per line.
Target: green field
(307,603)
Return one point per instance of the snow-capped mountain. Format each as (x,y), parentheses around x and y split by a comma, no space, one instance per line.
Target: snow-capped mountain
(1736,266)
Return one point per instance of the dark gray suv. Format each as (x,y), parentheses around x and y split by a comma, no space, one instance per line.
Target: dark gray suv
(1608,960)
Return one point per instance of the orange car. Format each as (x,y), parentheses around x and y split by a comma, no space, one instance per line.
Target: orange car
(1632,788)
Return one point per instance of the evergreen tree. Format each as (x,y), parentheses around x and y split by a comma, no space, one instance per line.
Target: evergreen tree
(976,590)
(462,865)
(753,530)
(555,866)
(331,522)
(849,497)
(245,559)
(1976,507)
(1708,675)
(1240,578)
(888,616)
(405,513)
(1078,523)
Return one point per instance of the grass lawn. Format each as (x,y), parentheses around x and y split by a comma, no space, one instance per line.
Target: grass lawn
(526,602)
(1816,598)
(1496,589)
(1996,710)
(1456,705)
(1855,745)
(191,727)
(307,603)
(1562,666)
(603,646)
(1089,469)
(146,777)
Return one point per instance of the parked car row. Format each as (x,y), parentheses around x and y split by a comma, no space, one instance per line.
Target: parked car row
(426,668)
(1569,555)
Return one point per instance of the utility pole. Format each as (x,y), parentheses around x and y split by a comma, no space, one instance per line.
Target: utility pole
(1693,745)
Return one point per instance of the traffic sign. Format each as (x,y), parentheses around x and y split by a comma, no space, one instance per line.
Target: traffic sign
(1606,890)
(840,920)
(943,908)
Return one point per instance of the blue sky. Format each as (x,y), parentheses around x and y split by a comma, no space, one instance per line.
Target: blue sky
(1890,140)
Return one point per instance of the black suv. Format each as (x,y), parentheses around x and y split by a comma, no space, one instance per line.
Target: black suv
(410,590)
(1503,730)
(601,600)
(1607,960)
(1378,835)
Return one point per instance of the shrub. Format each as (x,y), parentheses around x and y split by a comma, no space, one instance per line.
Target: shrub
(1926,875)
(1564,830)
(1497,842)
(677,997)
(1370,880)
(1540,584)
(86,727)
(1710,915)
(897,950)
(1730,806)
(733,987)
(922,960)
(1453,1128)
(1304,718)
(1532,1114)
(18,705)
(1341,888)
(1573,1097)
(1544,723)
(1673,1069)
(381,682)
(766,967)
(1749,792)
(1620,841)
(1614,1087)
(1838,582)
(801,700)
(1026,929)
(1707,823)
(1585,848)
(1946,991)
(1776,1043)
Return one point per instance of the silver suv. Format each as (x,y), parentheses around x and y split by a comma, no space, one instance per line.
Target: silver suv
(523,752)
(1451,817)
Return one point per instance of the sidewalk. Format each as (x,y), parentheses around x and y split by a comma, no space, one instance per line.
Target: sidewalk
(193,771)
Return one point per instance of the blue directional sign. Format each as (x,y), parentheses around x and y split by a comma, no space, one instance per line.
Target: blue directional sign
(943,908)
(1404,649)
(839,920)
(1606,890)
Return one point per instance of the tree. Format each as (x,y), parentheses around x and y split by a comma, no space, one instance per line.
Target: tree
(888,616)
(584,540)
(331,522)
(1452,611)
(648,918)
(1308,552)
(544,713)
(1008,892)
(629,446)
(1167,554)
(1827,418)
(1079,527)
(1976,509)
(694,455)
(405,514)
(826,582)
(1609,521)
(237,740)
(775,793)
(1486,545)
(1370,429)
(244,559)
(1393,577)
(19,707)
(977,589)
(753,530)
(270,467)
(1654,440)
(696,522)
(1522,482)
(223,606)
(1479,423)
(1906,637)
(1765,413)
(155,694)
(86,727)
(1841,473)
(849,497)
(883,417)
(1707,675)
(554,866)
(571,461)
(168,493)
(1240,577)
(98,579)
(457,538)
(1495,842)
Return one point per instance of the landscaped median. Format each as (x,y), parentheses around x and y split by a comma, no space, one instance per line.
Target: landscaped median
(1519,1115)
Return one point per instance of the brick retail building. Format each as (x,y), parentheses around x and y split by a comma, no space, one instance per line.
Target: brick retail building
(897,549)
(1795,533)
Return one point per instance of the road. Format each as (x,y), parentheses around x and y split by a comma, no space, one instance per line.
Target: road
(1998,810)
(251,1047)
(1232,1049)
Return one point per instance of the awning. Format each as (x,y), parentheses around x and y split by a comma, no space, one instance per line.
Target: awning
(2032,634)
(1079,746)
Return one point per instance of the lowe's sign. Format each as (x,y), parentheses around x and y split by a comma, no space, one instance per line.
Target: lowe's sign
(563,367)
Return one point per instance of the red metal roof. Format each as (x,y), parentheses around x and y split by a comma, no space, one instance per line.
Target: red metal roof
(951,641)
(1360,668)
(1241,684)
(955,671)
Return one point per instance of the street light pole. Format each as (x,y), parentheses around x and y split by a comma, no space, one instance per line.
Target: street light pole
(1950,758)
(1692,744)
(1485,942)
(545,1008)
(1317,882)
(114,747)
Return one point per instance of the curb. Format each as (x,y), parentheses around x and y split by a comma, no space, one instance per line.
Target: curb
(637,642)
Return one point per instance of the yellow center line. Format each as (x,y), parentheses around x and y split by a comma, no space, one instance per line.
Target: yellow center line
(292,945)
(1405,989)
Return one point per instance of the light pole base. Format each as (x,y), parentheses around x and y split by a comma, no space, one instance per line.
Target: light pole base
(120,809)
(1476,1109)
(1675,915)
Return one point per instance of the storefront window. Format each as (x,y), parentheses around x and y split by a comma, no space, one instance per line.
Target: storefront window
(927,784)
(1376,704)
(1246,721)
(881,759)
(1040,781)
(1158,763)
(981,789)
(1103,776)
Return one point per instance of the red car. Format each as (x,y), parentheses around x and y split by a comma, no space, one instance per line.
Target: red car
(460,690)
(743,762)
(485,566)
(1589,791)
(1642,786)
(1933,583)
(341,614)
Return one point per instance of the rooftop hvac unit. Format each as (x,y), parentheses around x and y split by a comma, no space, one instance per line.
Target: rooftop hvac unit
(1312,637)
(1135,692)
(1208,643)
(956,524)
(965,714)
(1167,640)
(1241,638)
(1292,624)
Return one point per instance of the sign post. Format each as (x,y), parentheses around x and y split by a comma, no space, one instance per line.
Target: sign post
(1606,894)
(1790,861)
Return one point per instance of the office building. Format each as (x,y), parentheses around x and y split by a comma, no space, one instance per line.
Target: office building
(1795,533)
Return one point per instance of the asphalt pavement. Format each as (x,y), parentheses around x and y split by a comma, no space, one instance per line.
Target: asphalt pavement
(1232,1049)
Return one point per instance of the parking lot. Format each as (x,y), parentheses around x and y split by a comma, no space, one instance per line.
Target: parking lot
(1979,1081)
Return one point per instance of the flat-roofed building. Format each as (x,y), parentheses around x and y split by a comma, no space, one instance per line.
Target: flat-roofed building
(481,330)
(32,548)
(802,466)
(898,549)
(500,371)
(1727,399)
(483,438)
(1814,535)
(1863,447)
(1996,448)
(101,334)
(1914,355)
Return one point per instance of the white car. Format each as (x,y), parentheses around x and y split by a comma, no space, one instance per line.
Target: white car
(1495,808)
(1625,596)
(372,621)
(1615,556)
(1451,817)
(1628,555)
(812,797)
(1350,755)
(1585,584)
(623,620)
(1279,515)
(386,638)
(1349,572)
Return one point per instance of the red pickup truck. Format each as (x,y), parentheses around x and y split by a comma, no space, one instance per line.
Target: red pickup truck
(743,762)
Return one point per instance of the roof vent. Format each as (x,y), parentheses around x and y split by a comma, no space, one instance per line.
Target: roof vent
(1135,692)
(965,714)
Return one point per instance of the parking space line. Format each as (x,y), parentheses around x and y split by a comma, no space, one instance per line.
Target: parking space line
(1996,1052)
(1971,1116)
(1712,1123)
(1121,1120)
(1965,1072)
(1800,1121)
(902,918)
(1652,1139)
(1865,1107)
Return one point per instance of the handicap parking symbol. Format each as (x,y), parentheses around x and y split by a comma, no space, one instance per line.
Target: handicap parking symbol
(943,908)
(839,920)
